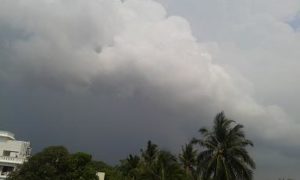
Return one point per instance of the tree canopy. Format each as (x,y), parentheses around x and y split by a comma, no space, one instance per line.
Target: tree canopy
(220,154)
(224,155)
(56,163)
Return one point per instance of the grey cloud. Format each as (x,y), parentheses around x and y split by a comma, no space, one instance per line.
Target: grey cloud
(259,39)
(105,76)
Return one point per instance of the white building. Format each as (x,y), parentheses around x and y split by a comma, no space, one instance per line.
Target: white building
(12,153)
(101,175)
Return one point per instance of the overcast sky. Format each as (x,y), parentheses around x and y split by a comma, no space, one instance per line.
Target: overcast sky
(104,76)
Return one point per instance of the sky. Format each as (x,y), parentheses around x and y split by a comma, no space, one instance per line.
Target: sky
(104,76)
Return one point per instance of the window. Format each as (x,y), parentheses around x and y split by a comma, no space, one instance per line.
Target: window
(10,153)
(6,170)
(6,153)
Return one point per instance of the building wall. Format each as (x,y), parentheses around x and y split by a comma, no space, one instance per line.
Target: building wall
(17,148)
(101,175)
(12,153)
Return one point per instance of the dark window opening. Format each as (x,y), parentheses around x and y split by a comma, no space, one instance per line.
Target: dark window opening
(6,170)
(6,153)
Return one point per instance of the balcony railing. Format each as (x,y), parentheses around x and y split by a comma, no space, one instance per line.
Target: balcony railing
(12,160)
(4,174)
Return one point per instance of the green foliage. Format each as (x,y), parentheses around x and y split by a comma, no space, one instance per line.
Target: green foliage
(55,163)
(111,173)
(130,166)
(154,164)
(222,155)
(150,154)
(188,160)
(225,156)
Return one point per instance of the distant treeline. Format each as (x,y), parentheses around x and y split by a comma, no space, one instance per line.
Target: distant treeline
(219,154)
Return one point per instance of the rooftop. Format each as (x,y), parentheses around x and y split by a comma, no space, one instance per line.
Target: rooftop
(7,134)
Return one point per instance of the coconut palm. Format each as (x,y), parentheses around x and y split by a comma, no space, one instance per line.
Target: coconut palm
(130,166)
(148,162)
(150,154)
(225,156)
(167,167)
(188,160)
(159,165)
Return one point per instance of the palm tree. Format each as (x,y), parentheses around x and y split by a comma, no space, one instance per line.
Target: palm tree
(148,162)
(130,166)
(225,156)
(168,167)
(150,153)
(159,165)
(188,159)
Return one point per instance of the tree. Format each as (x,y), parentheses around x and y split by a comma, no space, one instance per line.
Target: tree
(188,160)
(159,165)
(167,167)
(225,156)
(81,166)
(55,163)
(130,166)
(111,173)
(150,154)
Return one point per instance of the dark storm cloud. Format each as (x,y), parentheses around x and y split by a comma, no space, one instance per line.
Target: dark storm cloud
(105,76)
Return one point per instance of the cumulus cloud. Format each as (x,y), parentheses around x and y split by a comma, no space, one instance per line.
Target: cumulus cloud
(103,52)
(260,39)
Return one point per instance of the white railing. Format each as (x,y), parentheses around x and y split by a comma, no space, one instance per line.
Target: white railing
(3,175)
(15,160)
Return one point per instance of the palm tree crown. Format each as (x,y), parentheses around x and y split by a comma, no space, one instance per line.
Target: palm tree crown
(150,154)
(129,166)
(225,156)
(188,160)
(159,165)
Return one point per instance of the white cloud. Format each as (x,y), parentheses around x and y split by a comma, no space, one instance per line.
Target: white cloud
(138,37)
(260,40)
